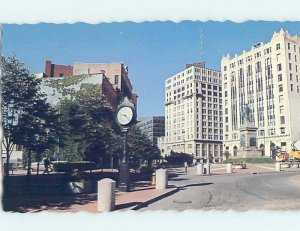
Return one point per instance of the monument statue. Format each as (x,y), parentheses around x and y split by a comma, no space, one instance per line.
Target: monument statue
(246,114)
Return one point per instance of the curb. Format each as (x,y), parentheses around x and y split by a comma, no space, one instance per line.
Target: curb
(154,199)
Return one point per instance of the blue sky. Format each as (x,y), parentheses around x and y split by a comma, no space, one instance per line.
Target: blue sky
(153,51)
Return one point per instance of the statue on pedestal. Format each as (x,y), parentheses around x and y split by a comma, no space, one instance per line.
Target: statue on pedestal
(246,114)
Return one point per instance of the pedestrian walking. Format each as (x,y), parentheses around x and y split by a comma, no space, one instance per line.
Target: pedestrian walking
(185,166)
(47,164)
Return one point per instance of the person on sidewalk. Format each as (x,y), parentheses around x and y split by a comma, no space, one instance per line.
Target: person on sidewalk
(185,166)
(47,164)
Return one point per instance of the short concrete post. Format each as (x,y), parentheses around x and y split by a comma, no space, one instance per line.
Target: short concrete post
(278,167)
(161,179)
(106,195)
(207,167)
(229,168)
(200,169)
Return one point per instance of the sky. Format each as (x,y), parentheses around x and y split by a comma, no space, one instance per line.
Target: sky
(153,51)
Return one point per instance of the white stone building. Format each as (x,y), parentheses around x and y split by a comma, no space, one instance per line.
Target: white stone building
(193,113)
(266,78)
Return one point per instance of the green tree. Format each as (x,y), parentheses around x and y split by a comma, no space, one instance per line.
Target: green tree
(26,117)
(89,120)
(141,149)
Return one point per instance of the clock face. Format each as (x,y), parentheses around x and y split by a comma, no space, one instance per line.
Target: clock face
(125,115)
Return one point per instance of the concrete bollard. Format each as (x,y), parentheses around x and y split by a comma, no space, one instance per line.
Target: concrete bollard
(200,169)
(278,167)
(207,168)
(161,179)
(106,195)
(229,168)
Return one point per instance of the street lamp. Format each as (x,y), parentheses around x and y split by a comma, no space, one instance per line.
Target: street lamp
(125,117)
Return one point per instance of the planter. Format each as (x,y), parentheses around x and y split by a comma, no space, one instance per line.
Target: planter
(76,187)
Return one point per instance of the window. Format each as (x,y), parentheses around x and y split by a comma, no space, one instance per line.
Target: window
(279,67)
(282,130)
(290,66)
(281,109)
(277,46)
(116,79)
(280,77)
(291,77)
(281,99)
(280,88)
(289,46)
(282,120)
(292,87)
(289,56)
(297,89)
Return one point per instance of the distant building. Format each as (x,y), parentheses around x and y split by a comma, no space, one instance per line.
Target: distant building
(57,70)
(153,127)
(193,112)
(266,78)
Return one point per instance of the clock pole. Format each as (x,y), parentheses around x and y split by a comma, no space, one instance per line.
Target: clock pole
(126,117)
(124,181)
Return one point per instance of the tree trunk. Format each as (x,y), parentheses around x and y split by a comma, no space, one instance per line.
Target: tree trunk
(29,163)
(7,161)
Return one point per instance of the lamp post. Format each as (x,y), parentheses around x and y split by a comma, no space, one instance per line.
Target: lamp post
(125,117)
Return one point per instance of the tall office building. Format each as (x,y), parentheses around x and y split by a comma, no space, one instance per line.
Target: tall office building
(153,127)
(193,113)
(266,78)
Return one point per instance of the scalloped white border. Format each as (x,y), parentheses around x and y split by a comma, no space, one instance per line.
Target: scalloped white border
(95,11)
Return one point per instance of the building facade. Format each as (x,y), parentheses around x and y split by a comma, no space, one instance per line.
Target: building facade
(117,74)
(54,94)
(266,79)
(57,70)
(153,127)
(193,113)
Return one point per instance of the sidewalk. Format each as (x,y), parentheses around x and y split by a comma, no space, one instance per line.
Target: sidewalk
(141,193)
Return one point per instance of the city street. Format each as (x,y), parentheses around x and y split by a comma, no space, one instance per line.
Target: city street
(238,192)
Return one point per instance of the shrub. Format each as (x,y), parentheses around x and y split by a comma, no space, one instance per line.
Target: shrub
(253,160)
(70,166)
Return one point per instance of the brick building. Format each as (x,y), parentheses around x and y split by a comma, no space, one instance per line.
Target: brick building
(57,70)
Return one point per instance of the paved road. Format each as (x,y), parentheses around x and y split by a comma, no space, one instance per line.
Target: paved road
(238,192)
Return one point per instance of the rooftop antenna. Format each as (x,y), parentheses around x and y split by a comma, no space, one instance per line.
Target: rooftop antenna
(201,45)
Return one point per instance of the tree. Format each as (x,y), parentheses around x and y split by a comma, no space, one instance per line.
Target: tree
(26,117)
(18,90)
(38,129)
(88,120)
(140,148)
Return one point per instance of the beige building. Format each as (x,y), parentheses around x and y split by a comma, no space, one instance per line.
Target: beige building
(266,78)
(193,113)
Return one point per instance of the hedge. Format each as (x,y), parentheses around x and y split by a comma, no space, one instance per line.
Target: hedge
(250,160)
(69,166)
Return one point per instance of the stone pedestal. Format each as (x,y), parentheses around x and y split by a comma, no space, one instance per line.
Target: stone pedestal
(207,169)
(106,195)
(161,179)
(278,167)
(248,141)
(229,168)
(200,169)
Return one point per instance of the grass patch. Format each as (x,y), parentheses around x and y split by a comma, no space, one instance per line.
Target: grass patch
(251,160)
